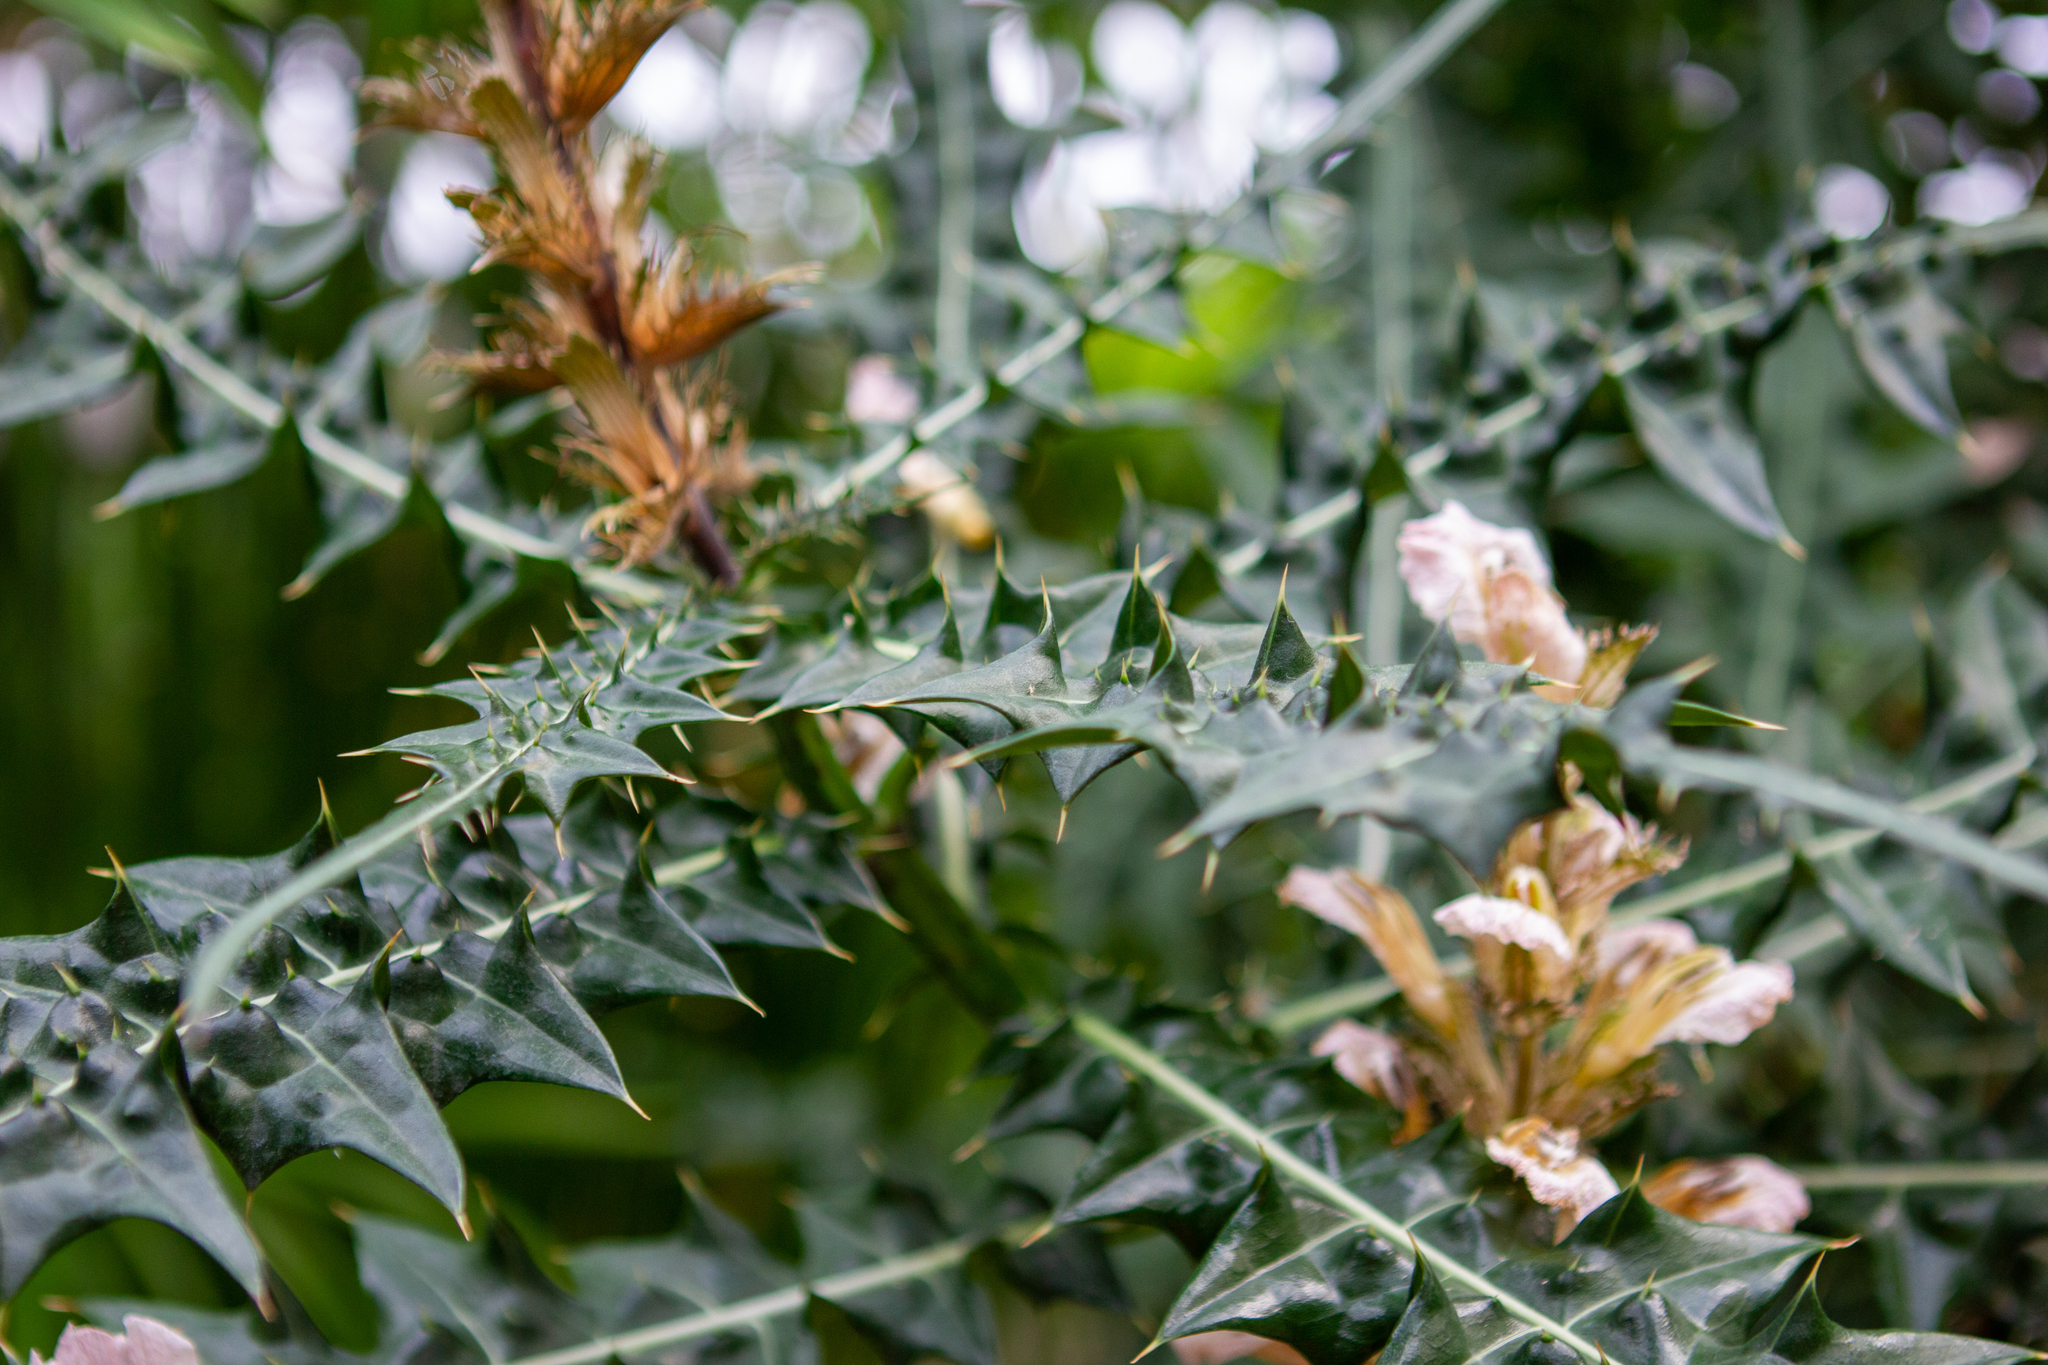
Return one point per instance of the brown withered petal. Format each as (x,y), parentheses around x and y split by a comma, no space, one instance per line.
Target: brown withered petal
(628,445)
(434,98)
(401,103)
(1738,1192)
(670,322)
(543,224)
(593,51)
(497,372)
(1613,654)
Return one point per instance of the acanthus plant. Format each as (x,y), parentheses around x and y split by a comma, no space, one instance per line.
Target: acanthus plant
(1426,1186)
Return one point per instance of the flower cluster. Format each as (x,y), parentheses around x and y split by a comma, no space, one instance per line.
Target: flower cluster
(614,316)
(1491,584)
(1557,1034)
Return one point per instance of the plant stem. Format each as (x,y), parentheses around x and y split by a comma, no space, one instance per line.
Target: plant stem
(952,339)
(1924,1175)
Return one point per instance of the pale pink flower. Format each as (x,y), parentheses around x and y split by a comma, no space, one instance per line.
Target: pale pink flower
(1370,1059)
(1509,921)
(1736,1003)
(947,498)
(1219,1348)
(875,393)
(1332,897)
(1492,585)
(1737,1191)
(1626,951)
(1550,1163)
(145,1341)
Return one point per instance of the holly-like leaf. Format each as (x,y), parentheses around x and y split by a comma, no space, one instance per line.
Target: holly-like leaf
(314,1069)
(60,384)
(940,1314)
(480,1011)
(486,1291)
(629,944)
(1900,328)
(110,1138)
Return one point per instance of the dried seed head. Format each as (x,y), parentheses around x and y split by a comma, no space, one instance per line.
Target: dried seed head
(608,316)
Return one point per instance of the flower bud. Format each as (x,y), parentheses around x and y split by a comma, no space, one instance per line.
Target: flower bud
(949,501)
(1376,1063)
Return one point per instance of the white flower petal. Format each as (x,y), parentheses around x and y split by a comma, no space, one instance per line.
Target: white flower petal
(1737,1192)
(90,1346)
(1550,1163)
(1734,1005)
(1629,950)
(1323,895)
(152,1343)
(1368,1058)
(1477,916)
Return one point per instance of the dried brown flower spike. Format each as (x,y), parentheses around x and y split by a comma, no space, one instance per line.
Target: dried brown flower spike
(608,319)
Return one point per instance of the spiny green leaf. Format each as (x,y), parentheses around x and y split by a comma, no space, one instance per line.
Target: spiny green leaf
(311,1070)
(480,1011)
(193,471)
(629,944)
(113,1140)
(39,389)
(1900,328)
